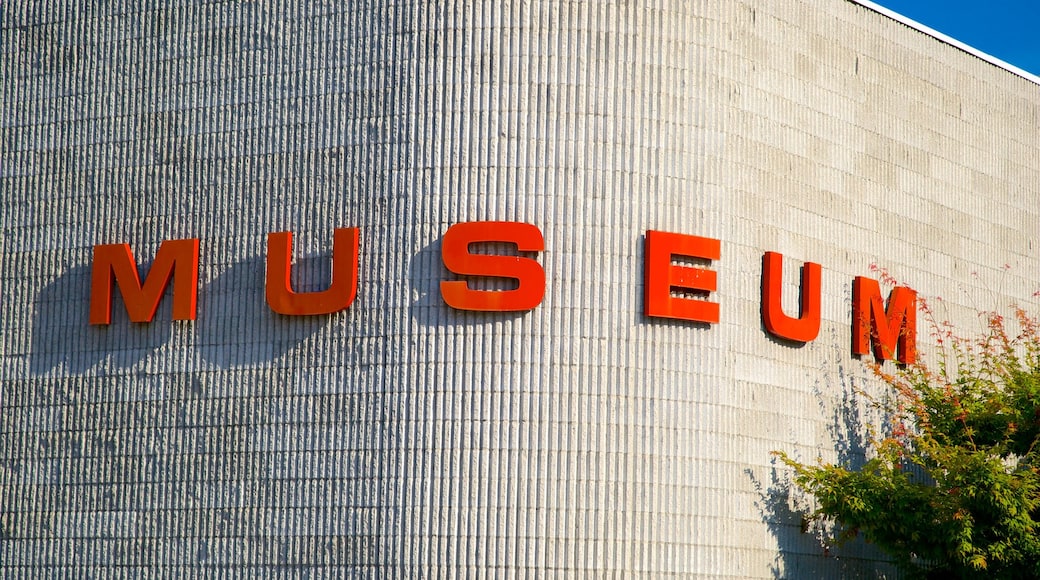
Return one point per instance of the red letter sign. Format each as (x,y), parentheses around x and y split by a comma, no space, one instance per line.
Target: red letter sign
(342,290)
(807,325)
(888,327)
(178,259)
(661,276)
(458,259)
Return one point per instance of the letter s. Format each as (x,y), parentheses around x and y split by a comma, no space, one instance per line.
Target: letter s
(458,259)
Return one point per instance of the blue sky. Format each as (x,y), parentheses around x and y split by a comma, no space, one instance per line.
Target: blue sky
(1006,29)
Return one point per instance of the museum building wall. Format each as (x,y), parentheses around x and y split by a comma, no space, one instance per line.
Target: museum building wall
(401,437)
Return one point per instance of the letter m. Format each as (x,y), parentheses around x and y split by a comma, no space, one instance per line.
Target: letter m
(177,259)
(889,328)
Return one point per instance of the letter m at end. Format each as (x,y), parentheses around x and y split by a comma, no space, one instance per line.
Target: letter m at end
(891,329)
(177,259)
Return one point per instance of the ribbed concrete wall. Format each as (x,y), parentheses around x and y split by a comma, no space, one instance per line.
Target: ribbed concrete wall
(403,438)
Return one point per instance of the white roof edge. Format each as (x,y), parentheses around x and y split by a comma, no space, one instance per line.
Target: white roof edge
(948,40)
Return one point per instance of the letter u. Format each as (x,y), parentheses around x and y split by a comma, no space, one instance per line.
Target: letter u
(339,295)
(807,326)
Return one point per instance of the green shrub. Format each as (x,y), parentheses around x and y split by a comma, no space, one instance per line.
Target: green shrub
(953,488)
